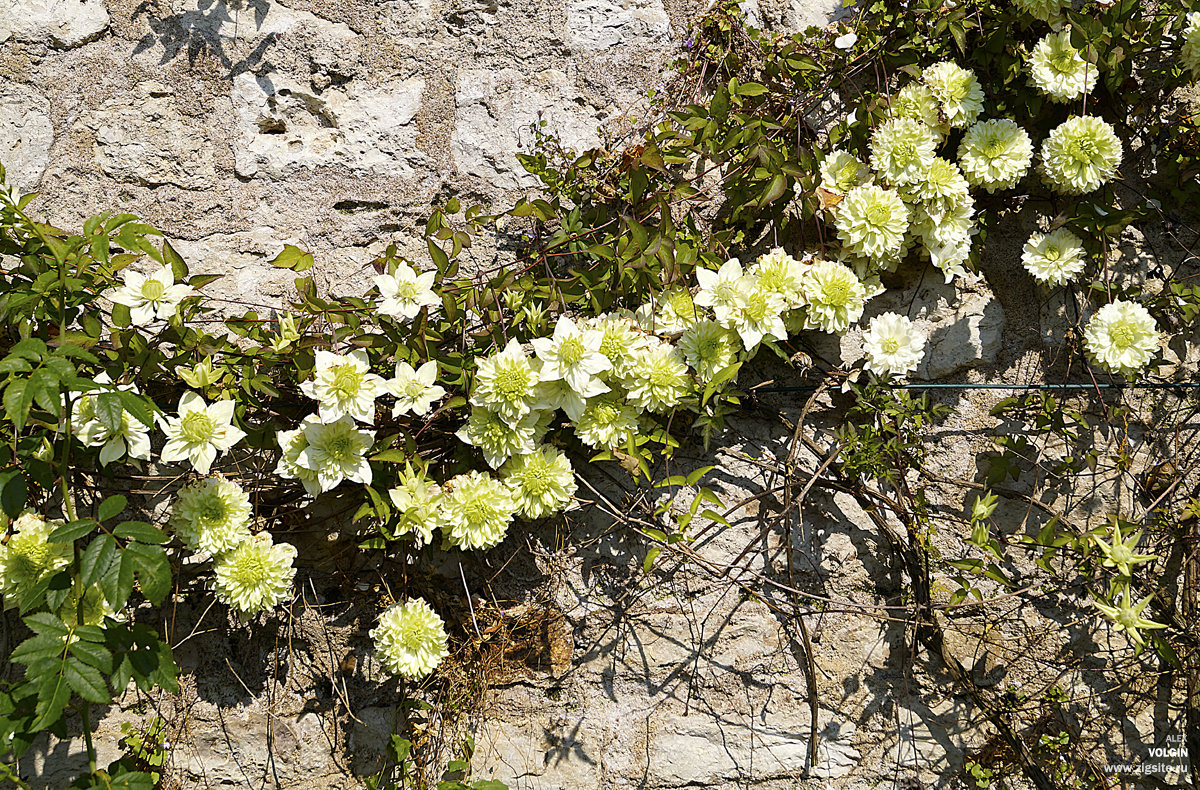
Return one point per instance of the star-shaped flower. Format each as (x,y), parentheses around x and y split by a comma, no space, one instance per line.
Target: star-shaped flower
(1122,554)
(1127,617)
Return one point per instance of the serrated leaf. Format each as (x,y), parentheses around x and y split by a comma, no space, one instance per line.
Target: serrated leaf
(18,398)
(93,654)
(53,695)
(46,623)
(152,568)
(137,406)
(96,560)
(85,680)
(141,531)
(37,647)
(72,530)
(110,507)
(108,411)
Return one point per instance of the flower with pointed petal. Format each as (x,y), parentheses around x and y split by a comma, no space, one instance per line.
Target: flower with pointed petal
(344,386)
(199,431)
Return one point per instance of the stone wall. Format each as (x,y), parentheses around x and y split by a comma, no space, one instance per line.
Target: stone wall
(237,127)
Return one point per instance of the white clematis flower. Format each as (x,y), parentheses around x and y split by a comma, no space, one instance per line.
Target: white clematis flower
(344,386)
(199,432)
(405,292)
(150,297)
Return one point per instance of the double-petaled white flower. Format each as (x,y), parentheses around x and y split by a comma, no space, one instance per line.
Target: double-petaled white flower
(1054,258)
(893,346)
(211,515)
(1121,337)
(573,355)
(417,503)
(606,422)
(542,481)
(1045,10)
(28,555)
(995,154)
(150,297)
(721,289)
(672,311)
(293,444)
(957,91)
(620,340)
(478,510)
(758,314)
(497,438)
(506,383)
(835,296)
(1059,70)
(199,431)
(917,102)
(709,348)
(1189,53)
(255,575)
(659,380)
(414,390)
(842,171)
(405,292)
(410,639)
(336,451)
(116,438)
(902,149)
(344,386)
(940,187)
(780,273)
(871,223)
(1080,155)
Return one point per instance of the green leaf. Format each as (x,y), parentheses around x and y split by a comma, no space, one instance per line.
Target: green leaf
(92,654)
(141,531)
(651,556)
(110,507)
(12,492)
(153,570)
(109,411)
(391,456)
(18,398)
(38,647)
(138,406)
(46,623)
(401,747)
(72,530)
(53,695)
(173,259)
(774,190)
(86,680)
(97,557)
(120,316)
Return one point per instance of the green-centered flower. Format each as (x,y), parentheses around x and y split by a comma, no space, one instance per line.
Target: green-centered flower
(902,149)
(542,481)
(709,348)
(995,154)
(721,289)
(835,296)
(344,386)
(199,431)
(893,346)
(939,187)
(957,91)
(947,238)
(1127,616)
(672,311)
(917,102)
(606,422)
(573,355)
(28,555)
(410,639)
(337,451)
(782,274)
(1189,53)
(871,223)
(150,297)
(659,380)
(255,575)
(414,390)
(1121,337)
(1121,553)
(1058,70)
(496,438)
(506,383)
(478,510)
(620,340)
(758,314)
(417,504)
(125,436)
(211,515)
(293,444)
(1080,155)
(842,171)
(405,292)
(1054,258)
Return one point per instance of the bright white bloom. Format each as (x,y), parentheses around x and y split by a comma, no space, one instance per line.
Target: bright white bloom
(892,345)
(659,380)
(721,289)
(199,431)
(902,149)
(28,555)
(1189,53)
(782,274)
(147,298)
(835,296)
(558,394)
(995,154)
(758,314)
(410,639)
(498,439)
(940,187)
(620,340)
(606,422)
(337,451)
(673,311)
(131,437)
(1054,258)
(344,386)
(947,239)
(506,383)
(842,171)
(1080,155)
(418,506)
(1058,70)
(542,481)
(957,90)
(846,40)
(478,510)
(709,348)
(415,390)
(1045,10)
(254,576)
(1121,337)
(406,292)
(211,515)
(573,355)
(293,444)
(871,222)
(917,102)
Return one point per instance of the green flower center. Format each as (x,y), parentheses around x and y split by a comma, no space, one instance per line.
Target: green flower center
(710,348)
(878,215)
(512,383)
(662,376)
(1063,61)
(1052,253)
(29,556)
(414,388)
(890,345)
(993,148)
(571,351)
(1121,554)
(612,345)
(340,448)
(534,479)
(153,290)
(847,176)
(347,380)
(213,510)
(1082,149)
(756,307)
(904,152)
(196,427)
(605,414)
(250,569)
(1123,334)
(835,292)
(406,290)
(1127,617)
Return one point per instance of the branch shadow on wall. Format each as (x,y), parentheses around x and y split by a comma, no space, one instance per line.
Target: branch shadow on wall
(198,33)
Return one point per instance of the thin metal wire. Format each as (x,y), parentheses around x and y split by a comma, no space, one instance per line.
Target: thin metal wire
(1088,386)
